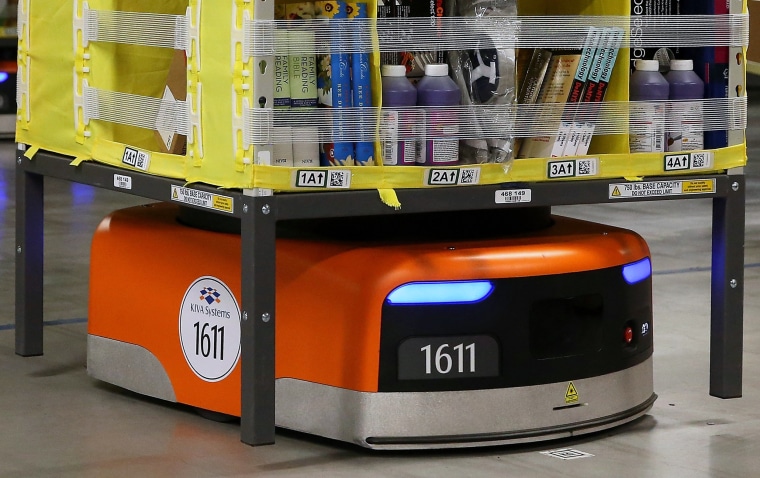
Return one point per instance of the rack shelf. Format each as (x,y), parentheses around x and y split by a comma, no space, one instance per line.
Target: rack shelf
(259,216)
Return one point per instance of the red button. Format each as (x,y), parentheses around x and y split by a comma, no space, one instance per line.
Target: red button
(628,335)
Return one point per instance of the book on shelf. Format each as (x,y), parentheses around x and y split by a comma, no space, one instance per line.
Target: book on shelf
(555,89)
(334,81)
(710,63)
(596,90)
(303,84)
(361,86)
(577,90)
(645,17)
(530,84)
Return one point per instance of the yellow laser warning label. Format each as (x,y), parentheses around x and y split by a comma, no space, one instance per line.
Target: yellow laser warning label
(571,395)
(644,189)
(205,199)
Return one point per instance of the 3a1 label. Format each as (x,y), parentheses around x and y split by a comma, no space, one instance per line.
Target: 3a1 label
(209,329)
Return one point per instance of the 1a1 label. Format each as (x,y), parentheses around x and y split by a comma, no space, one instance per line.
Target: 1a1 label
(209,329)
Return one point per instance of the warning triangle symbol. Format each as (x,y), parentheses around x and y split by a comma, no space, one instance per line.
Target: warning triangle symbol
(175,195)
(571,395)
(616,192)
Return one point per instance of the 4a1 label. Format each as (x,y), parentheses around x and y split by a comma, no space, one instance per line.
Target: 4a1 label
(209,329)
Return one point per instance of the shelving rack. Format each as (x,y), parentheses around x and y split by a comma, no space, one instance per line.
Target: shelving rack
(259,214)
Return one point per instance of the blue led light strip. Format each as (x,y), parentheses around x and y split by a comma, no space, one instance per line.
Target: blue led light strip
(447,292)
(637,271)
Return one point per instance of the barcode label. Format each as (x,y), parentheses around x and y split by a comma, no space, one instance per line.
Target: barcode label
(469,176)
(701,160)
(390,134)
(339,179)
(587,167)
(122,182)
(513,196)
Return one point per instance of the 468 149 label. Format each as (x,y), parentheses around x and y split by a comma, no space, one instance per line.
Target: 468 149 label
(514,196)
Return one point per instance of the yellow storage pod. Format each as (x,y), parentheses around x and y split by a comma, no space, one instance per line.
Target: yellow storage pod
(97,81)
(90,92)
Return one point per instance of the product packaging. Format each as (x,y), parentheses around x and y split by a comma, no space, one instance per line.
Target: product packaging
(710,63)
(648,91)
(415,61)
(641,23)
(303,84)
(436,90)
(486,77)
(334,82)
(282,152)
(684,116)
(361,88)
(398,92)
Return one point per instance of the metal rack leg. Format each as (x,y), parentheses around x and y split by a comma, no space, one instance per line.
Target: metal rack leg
(258,300)
(726,329)
(29,258)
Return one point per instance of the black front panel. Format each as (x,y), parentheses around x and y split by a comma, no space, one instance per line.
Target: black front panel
(528,331)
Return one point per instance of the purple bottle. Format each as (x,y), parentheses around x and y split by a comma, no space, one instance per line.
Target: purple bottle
(435,89)
(685,85)
(647,120)
(398,92)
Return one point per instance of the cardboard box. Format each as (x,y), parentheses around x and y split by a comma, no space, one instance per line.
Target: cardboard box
(414,61)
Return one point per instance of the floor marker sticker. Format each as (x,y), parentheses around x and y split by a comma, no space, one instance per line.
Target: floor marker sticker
(567,454)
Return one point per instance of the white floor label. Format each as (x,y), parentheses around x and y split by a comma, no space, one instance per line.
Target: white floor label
(209,329)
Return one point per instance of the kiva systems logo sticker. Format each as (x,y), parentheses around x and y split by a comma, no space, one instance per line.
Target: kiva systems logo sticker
(210,295)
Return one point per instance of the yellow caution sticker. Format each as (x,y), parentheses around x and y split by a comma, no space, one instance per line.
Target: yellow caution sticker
(642,189)
(205,199)
(571,395)
(699,186)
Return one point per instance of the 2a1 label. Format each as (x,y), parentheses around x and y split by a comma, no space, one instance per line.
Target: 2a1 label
(443,177)
(209,329)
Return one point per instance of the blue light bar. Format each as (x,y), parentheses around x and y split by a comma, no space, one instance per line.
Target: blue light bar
(637,271)
(454,292)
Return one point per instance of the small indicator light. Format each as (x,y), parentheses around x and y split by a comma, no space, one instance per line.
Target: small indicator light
(455,292)
(4,76)
(628,335)
(637,271)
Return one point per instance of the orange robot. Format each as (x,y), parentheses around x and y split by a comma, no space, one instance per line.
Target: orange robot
(389,334)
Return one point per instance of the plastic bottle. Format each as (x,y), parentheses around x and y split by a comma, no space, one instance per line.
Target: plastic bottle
(685,85)
(398,92)
(437,89)
(647,120)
